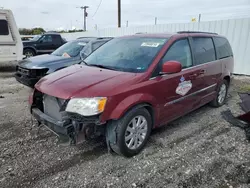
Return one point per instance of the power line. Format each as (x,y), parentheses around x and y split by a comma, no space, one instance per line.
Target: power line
(97,8)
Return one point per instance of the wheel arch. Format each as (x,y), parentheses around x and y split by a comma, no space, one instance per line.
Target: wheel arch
(134,101)
(111,128)
(145,105)
(228,79)
(30,48)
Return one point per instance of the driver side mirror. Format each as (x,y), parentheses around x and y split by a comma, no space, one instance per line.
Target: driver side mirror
(171,67)
(41,41)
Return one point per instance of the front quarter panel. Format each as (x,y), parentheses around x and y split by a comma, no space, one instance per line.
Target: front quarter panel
(116,107)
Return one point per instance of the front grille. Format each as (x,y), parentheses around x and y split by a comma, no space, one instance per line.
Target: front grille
(39,72)
(52,106)
(23,71)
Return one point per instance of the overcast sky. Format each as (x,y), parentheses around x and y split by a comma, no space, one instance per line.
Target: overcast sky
(54,14)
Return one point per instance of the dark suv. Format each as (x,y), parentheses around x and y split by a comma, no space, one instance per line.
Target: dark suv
(29,71)
(134,84)
(42,44)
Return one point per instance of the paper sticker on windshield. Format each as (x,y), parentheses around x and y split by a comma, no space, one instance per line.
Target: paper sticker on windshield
(183,87)
(150,44)
(81,43)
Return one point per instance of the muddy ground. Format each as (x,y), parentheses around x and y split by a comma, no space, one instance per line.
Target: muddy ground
(198,150)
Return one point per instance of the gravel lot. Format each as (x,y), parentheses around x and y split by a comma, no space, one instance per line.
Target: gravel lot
(198,150)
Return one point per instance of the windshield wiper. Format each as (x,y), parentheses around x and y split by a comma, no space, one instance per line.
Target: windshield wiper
(102,66)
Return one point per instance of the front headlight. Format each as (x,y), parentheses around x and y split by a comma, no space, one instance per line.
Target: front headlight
(87,106)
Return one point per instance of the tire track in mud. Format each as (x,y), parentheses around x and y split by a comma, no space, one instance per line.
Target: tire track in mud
(237,175)
(197,178)
(154,140)
(31,178)
(168,168)
(191,135)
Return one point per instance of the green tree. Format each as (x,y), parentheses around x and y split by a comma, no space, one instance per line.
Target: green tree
(34,31)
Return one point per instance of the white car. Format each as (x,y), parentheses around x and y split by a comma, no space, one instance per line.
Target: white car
(11,46)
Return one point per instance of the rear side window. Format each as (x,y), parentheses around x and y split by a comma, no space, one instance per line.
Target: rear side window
(4,29)
(203,50)
(56,39)
(179,51)
(46,39)
(223,47)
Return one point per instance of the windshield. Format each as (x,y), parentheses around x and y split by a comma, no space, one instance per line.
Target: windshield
(127,54)
(70,49)
(36,38)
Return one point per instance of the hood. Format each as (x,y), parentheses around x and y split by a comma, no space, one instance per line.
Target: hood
(41,61)
(27,43)
(85,81)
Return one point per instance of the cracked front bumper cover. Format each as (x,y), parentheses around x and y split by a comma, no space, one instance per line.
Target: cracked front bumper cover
(58,127)
(77,130)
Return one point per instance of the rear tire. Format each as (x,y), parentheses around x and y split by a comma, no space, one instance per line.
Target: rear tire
(132,132)
(29,53)
(221,94)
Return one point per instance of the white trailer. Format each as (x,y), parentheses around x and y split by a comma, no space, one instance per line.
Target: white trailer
(11,46)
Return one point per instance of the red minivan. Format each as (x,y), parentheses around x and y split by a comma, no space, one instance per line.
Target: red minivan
(133,84)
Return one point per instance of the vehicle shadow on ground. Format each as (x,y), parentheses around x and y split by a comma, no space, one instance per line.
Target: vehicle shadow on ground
(7,68)
(172,127)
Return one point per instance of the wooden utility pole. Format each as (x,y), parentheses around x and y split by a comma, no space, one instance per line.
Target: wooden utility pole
(199,17)
(119,13)
(199,21)
(85,15)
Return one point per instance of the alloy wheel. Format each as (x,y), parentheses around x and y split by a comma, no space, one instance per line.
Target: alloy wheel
(222,93)
(136,132)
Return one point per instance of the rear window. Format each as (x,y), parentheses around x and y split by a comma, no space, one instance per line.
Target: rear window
(203,50)
(4,29)
(223,47)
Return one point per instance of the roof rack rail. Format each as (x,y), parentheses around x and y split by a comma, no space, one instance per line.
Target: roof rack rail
(100,38)
(180,32)
(85,37)
(140,33)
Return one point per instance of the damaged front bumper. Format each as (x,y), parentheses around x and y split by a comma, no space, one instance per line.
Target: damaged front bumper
(30,82)
(73,126)
(58,127)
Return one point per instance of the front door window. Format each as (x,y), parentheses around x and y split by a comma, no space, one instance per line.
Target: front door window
(179,51)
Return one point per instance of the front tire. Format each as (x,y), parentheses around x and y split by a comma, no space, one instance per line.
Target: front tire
(221,94)
(132,132)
